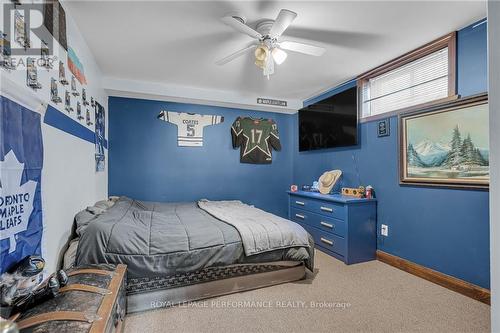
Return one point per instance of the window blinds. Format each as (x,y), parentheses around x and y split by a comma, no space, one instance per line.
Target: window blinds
(419,81)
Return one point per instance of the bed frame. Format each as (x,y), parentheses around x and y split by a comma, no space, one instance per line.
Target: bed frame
(153,293)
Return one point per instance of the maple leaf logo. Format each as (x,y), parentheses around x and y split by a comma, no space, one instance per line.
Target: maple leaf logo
(16,200)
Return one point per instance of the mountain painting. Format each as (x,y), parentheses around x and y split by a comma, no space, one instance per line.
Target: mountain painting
(448,147)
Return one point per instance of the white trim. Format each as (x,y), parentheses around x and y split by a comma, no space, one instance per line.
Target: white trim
(494,103)
(173,93)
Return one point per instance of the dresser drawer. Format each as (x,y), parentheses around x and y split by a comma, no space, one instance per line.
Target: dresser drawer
(300,202)
(326,224)
(323,207)
(328,241)
(330,209)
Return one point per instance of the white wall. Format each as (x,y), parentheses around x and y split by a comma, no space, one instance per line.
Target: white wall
(494,100)
(69,180)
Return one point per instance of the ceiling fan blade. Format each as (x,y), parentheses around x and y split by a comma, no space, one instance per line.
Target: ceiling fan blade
(235,55)
(302,48)
(338,38)
(285,17)
(241,27)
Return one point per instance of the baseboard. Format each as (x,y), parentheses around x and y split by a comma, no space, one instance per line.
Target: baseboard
(450,282)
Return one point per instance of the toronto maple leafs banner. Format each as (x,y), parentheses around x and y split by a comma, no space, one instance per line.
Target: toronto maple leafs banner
(21,162)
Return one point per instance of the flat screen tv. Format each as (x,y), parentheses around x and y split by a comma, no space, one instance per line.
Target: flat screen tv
(329,123)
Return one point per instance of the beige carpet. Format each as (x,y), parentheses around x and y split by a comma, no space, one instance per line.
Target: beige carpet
(368,297)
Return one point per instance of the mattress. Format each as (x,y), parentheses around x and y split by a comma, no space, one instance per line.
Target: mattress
(150,294)
(163,239)
(205,275)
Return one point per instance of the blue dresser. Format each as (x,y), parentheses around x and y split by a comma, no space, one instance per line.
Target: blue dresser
(343,227)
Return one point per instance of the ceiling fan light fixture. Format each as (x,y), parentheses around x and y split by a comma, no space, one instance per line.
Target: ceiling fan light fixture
(268,46)
(260,63)
(261,55)
(279,55)
(261,52)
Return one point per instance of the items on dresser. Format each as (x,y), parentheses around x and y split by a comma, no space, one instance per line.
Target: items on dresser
(343,227)
(92,301)
(315,186)
(369,192)
(311,188)
(328,180)
(358,192)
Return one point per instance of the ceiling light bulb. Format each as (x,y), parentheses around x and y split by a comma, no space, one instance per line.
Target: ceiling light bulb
(259,63)
(261,53)
(279,55)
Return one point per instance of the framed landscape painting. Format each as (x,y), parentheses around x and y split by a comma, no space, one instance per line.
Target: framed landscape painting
(447,145)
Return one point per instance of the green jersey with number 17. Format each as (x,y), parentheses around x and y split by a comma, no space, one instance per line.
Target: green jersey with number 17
(257,138)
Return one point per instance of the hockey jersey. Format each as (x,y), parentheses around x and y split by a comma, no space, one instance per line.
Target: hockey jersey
(256,138)
(190,126)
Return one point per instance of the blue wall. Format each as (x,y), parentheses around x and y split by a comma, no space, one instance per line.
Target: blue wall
(444,229)
(472,60)
(146,163)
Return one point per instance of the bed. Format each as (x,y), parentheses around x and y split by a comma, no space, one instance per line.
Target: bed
(177,252)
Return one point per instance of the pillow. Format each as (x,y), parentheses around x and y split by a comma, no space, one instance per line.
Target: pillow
(95,210)
(70,255)
(83,218)
(104,204)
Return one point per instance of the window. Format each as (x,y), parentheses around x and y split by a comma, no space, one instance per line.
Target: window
(424,76)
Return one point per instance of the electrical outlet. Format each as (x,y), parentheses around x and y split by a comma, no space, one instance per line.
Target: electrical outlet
(384,230)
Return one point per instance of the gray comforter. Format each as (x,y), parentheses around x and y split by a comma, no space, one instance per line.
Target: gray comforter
(167,238)
(260,231)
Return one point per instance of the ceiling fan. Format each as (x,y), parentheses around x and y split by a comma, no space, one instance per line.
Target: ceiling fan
(269,46)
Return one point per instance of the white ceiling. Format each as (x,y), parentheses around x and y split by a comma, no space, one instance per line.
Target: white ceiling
(173,45)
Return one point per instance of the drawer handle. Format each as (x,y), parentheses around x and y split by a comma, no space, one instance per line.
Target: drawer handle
(300,203)
(326,209)
(327,241)
(300,216)
(328,225)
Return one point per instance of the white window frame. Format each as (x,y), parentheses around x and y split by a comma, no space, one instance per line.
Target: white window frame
(448,41)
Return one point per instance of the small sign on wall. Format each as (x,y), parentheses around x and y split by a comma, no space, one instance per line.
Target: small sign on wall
(384,128)
(269,101)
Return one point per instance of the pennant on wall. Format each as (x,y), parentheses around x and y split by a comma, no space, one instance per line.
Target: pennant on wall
(76,67)
(21,162)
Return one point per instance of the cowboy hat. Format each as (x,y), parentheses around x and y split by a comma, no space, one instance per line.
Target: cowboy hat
(328,180)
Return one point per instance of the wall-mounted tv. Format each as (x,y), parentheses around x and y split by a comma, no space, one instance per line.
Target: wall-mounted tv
(329,123)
